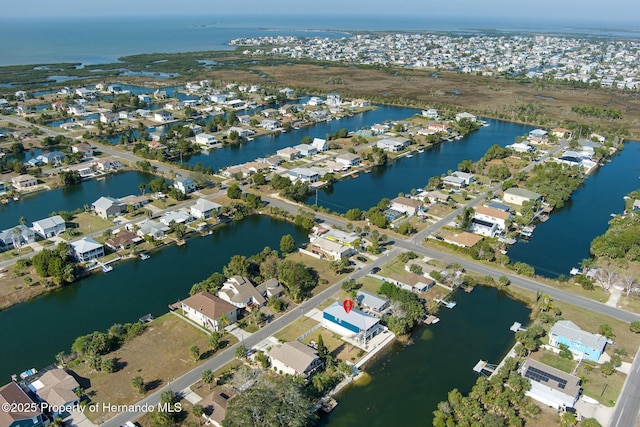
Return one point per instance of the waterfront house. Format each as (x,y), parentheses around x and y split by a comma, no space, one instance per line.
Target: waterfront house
(467,178)
(144,99)
(333,99)
(87,249)
(58,389)
(483,228)
(269,124)
(206,310)
(431,113)
(467,116)
(16,237)
(562,133)
(405,205)
(184,184)
(453,181)
(320,144)
(25,413)
(348,159)
(303,174)
(107,207)
(206,139)
(49,227)
(52,158)
(271,288)
(76,110)
(109,117)
(439,127)
(136,202)
(295,358)
(288,153)
(109,165)
(205,209)
(410,282)
(122,240)
(215,404)
(463,239)
(354,324)
(521,147)
(583,344)
(240,292)
(538,135)
(195,128)
(371,301)
(550,386)
(179,217)
(163,116)
(306,150)
(393,145)
(23,182)
(360,103)
(493,215)
(153,229)
(518,196)
(243,133)
(335,235)
(327,249)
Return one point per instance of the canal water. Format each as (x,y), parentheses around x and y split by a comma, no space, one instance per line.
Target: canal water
(40,205)
(268,145)
(35,331)
(407,382)
(414,172)
(564,240)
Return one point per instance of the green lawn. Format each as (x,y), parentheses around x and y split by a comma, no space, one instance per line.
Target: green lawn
(295,329)
(602,388)
(554,360)
(7,255)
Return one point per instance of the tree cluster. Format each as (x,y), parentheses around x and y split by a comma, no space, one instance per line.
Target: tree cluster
(408,311)
(57,263)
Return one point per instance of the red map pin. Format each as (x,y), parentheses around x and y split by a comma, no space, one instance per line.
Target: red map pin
(348,305)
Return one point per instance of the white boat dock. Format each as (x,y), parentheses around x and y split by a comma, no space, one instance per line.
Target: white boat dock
(517,326)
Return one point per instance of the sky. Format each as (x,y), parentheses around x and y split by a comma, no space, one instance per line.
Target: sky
(592,11)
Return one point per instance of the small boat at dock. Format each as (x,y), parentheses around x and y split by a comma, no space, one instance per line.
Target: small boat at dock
(420,150)
(144,256)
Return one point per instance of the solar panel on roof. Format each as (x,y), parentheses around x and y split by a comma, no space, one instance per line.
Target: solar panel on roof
(544,377)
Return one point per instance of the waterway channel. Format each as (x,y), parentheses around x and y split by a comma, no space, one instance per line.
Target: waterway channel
(562,242)
(39,205)
(414,172)
(407,382)
(36,331)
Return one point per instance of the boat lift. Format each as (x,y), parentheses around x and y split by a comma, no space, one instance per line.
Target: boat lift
(485,368)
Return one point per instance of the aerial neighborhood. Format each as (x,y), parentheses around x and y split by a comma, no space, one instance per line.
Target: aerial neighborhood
(258,248)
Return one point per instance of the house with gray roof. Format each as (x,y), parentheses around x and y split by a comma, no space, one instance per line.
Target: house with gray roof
(58,389)
(518,196)
(17,236)
(549,385)
(154,229)
(240,292)
(355,324)
(295,358)
(371,301)
(584,345)
(87,249)
(107,207)
(205,209)
(49,227)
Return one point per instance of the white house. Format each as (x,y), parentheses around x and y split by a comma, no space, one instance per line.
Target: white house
(208,310)
(484,228)
(518,196)
(163,116)
(320,144)
(179,217)
(328,249)
(240,292)
(87,249)
(549,385)
(153,229)
(288,153)
(493,215)
(304,174)
(49,227)
(16,237)
(22,182)
(205,209)
(538,134)
(295,358)
(206,139)
(269,124)
(467,116)
(393,145)
(371,301)
(348,159)
(355,324)
(431,113)
(184,184)
(405,205)
(109,117)
(107,207)
(467,178)
(306,150)
(521,147)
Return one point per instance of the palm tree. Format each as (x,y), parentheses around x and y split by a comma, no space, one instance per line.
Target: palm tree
(223,321)
(22,220)
(142,187)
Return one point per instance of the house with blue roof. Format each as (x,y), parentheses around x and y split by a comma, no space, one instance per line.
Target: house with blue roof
(355,324)
(584,345)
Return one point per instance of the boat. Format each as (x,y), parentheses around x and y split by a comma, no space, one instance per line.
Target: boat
(144,256)
(106,268)
(420,150)
(28,373)
(409,155)
(354,175)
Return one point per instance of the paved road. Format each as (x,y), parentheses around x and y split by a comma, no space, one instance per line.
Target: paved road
(46,130)
(625,413)
(266,331)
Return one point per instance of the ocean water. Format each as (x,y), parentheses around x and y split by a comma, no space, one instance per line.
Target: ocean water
(103,40)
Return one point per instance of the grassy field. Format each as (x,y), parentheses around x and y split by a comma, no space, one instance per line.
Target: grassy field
(295,329)
(142,357)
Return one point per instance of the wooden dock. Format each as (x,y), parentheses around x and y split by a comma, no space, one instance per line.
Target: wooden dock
(328,405)
(430,320)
